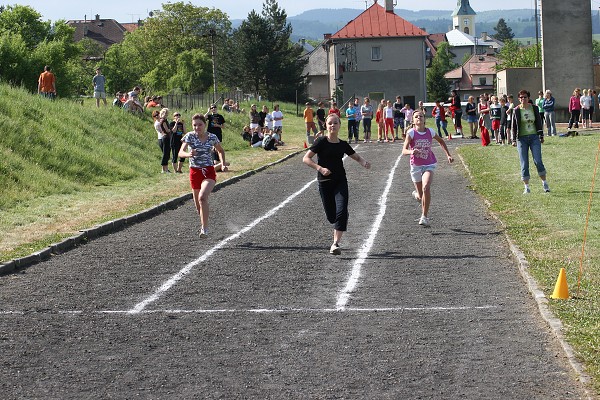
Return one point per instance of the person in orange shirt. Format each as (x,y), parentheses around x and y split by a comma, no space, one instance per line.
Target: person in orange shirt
(309,120)
(47,84)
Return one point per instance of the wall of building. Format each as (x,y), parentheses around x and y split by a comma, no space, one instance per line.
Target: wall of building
(566,49)
(404,82)
(510,81)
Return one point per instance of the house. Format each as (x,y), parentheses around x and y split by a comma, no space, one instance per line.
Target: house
(379,55)
(316,72)
(105,32)
(475,77)
(463,45)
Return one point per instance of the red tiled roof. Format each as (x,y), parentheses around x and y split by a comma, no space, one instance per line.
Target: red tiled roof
(375,22)
(130,26)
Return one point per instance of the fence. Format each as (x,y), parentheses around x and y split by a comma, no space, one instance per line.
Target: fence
(199,102)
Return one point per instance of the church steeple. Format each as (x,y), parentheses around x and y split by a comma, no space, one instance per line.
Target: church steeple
(463,17)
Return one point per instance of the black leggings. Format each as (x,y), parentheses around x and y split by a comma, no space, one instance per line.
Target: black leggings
(574,120)
(334,195)
(175,147)
(165,146)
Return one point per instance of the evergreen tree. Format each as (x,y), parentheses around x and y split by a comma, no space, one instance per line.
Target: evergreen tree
(503,31)
(438,87)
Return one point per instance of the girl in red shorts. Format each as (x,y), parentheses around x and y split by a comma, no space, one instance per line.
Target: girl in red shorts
(197,146)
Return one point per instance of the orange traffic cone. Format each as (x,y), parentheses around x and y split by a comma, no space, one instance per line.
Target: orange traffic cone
(561,289)
(305,146)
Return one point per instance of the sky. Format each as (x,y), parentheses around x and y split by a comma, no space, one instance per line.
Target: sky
(132,10)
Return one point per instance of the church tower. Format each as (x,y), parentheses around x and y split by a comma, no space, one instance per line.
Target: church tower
(463,17)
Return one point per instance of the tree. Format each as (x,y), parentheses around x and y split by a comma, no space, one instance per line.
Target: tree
(503,31)
(153,54)
(26,22)
(438,87)
(268,62)
(515,55)
(596,48)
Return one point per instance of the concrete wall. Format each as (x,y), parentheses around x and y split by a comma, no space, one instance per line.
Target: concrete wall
(566,49)
(317,87)
(510,81)
(405,82)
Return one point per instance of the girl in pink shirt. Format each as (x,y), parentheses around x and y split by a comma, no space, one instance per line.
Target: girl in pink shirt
(418,145)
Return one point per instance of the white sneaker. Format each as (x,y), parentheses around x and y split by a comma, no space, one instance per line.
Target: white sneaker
(203,232)
(335,249)
(415,195)
(424,221)
(526,191)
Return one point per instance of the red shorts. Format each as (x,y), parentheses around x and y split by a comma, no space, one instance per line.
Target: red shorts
(495,124)
(198,175)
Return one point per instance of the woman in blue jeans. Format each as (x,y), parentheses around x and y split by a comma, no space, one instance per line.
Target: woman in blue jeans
(528,134)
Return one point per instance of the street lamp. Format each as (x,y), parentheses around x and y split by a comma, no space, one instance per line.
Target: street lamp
(212,33)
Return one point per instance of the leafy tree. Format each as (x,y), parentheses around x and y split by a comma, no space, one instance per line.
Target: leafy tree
(514,55)
(596,48)
(25,21)
(437,86)
(152,54)
(503,31)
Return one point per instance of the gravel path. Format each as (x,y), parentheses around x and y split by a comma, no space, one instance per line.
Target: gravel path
(261,310)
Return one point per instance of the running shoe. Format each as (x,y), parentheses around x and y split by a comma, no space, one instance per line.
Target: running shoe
(526,191)
(415,195)
(203,232)
(424,221)
(546,187)
(335,249)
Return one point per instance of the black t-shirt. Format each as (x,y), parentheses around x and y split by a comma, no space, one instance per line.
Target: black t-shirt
(330,155)
(217,119)
(397,110)
(321,114)
(262,116)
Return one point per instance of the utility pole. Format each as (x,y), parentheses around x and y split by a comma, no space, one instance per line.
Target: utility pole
(212,33)
(537,36)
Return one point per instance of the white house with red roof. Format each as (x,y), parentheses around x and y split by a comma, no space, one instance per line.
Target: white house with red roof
(379,55)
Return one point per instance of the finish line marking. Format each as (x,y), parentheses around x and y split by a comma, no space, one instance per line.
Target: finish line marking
(344,294)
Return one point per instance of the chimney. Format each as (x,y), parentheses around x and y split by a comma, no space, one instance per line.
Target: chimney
(389,6)
(484,36)
(303,40)
(327,36)
(97,17)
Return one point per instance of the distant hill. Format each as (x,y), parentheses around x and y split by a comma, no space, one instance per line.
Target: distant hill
(312,24)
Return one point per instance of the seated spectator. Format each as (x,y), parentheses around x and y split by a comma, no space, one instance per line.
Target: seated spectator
(117,100)
(257,139)
(153,103)
(269,142)
(147,100)
(246,134)
(225,106)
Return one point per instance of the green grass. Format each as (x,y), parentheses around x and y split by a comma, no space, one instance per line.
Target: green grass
(549,228)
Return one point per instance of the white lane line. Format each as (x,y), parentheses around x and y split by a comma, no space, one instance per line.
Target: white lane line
(363,252)
(187,268)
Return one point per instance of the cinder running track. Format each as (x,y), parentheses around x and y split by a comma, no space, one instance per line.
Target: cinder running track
(261,310)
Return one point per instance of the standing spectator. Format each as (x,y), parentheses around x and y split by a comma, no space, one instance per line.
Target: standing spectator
(586,104)
(215,124)
(202,171)
(357,117)
(161,126)
(418,145)
(177,131)
(456,109)
(495,110)
(99,82)
(398,117)
(439,113)
(366,110)
(527,134)
(351,116)
(335,110)
(321,118)
(268,120)
(254,117)
(509,114)
(485,123)
(503,120)
(593,107)
(549,114)
(471,110)
(380,120)
(539,102)
(388,115)
(333,184)
(408,113)
(47,84)
(574,110)
(278,123)
(263,115)
(309,121)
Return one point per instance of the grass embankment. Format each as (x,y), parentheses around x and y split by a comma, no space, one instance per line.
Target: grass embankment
(66,166)
(549,228)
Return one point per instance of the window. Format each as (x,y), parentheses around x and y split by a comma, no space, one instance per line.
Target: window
(375,53)
(482,80)
(466,21)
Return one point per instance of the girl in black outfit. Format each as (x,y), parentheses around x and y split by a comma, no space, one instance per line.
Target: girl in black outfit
(456,109)
(333,185)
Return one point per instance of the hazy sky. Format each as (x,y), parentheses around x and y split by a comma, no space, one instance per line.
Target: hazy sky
(132,10)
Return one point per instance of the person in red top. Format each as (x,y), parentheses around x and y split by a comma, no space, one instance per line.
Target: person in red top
(47,84)
(439,113)
(334,109)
